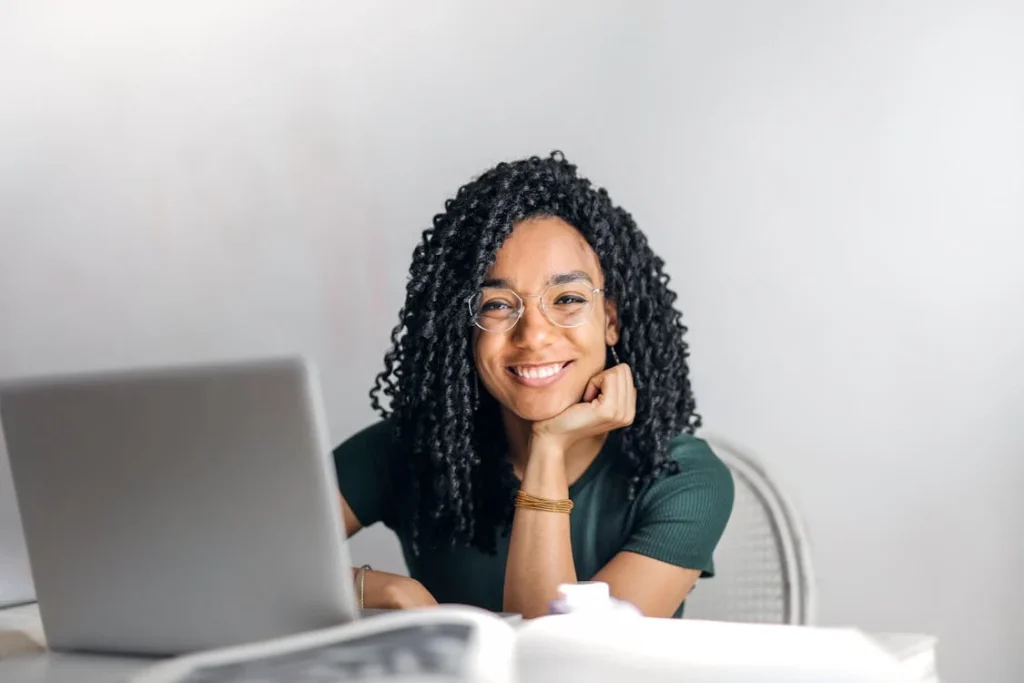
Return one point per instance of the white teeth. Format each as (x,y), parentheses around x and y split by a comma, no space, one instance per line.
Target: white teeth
(538,372)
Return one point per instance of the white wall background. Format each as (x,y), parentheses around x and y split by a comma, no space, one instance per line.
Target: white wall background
(836,187)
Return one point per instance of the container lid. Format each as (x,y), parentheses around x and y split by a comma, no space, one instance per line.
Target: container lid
(584,594)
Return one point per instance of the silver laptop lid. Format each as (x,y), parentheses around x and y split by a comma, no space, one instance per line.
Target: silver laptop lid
(15,574)
(170,510)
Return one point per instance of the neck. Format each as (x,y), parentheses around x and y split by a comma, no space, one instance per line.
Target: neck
(577,458)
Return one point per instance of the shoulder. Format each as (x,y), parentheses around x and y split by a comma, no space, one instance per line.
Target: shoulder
(372,441)
(704,484)
(681,517)
(371,451)
(363,464)
(694,453)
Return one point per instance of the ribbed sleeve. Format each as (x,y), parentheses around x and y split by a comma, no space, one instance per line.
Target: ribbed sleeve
(681,518)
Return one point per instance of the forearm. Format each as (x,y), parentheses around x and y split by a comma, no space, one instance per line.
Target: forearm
(372,592)
(382,590)
(540,551)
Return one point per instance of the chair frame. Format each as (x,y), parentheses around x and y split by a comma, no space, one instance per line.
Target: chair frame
(797,565)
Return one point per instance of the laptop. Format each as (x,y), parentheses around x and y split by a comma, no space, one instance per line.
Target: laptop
(169,510)
(16,586)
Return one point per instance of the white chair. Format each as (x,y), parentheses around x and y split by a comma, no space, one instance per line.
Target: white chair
(763,570)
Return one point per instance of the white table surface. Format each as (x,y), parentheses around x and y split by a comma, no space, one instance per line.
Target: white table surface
(25,659)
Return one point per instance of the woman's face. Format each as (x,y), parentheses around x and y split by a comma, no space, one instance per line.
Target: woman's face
(538,369)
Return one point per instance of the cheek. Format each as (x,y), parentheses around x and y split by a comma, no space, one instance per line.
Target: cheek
(589,344)
(487,350)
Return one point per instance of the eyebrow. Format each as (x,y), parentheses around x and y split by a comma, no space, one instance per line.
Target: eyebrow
(559,279)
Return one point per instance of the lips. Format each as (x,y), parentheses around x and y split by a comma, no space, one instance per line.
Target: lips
(538,375)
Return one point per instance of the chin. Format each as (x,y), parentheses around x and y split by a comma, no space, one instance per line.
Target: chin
(537,416)
(537,411)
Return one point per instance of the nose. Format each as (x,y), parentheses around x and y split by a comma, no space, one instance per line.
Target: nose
(533,330)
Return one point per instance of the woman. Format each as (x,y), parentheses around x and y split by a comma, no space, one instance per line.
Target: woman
(540,418)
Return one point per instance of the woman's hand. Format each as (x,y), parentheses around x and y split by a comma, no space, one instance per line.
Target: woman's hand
(382,590)
(609,403)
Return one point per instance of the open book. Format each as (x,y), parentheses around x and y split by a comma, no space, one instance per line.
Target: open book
(440,645)
(453,644)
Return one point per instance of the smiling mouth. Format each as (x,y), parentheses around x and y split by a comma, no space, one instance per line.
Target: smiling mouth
(538,375)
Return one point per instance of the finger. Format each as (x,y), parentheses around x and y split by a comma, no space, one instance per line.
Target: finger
(623,391)
(611,391)
(628,372)
(598,385)
(593,389)
(625,394)
(631,406)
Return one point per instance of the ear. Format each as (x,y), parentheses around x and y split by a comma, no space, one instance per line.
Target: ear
(611,324)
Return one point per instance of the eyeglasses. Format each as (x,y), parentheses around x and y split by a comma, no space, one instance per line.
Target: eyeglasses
(564,305)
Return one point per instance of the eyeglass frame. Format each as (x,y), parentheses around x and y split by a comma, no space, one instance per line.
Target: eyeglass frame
(522,308)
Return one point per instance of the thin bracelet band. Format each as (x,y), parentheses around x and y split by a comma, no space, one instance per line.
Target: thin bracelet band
(531,502)
(361,580)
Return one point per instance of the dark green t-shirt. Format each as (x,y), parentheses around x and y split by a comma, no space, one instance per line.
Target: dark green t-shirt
(677,519)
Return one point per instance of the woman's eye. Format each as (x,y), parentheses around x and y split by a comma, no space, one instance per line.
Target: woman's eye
(494,306)
(569,300)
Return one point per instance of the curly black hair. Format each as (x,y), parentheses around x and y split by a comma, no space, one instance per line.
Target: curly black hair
(455,471)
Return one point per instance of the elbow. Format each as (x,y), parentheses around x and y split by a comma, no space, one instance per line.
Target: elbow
(528,606)
(529,612)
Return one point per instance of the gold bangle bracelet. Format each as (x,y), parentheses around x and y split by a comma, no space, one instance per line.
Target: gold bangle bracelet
(530,502)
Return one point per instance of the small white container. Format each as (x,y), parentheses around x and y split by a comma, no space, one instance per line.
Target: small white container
(589,597)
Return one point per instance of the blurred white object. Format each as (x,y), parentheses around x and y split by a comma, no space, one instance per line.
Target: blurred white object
(915,652)
(672,650)
(21,638)
(763,568)
(446,643)
(590,596)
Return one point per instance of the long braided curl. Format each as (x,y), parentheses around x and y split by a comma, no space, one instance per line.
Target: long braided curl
(454,469)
